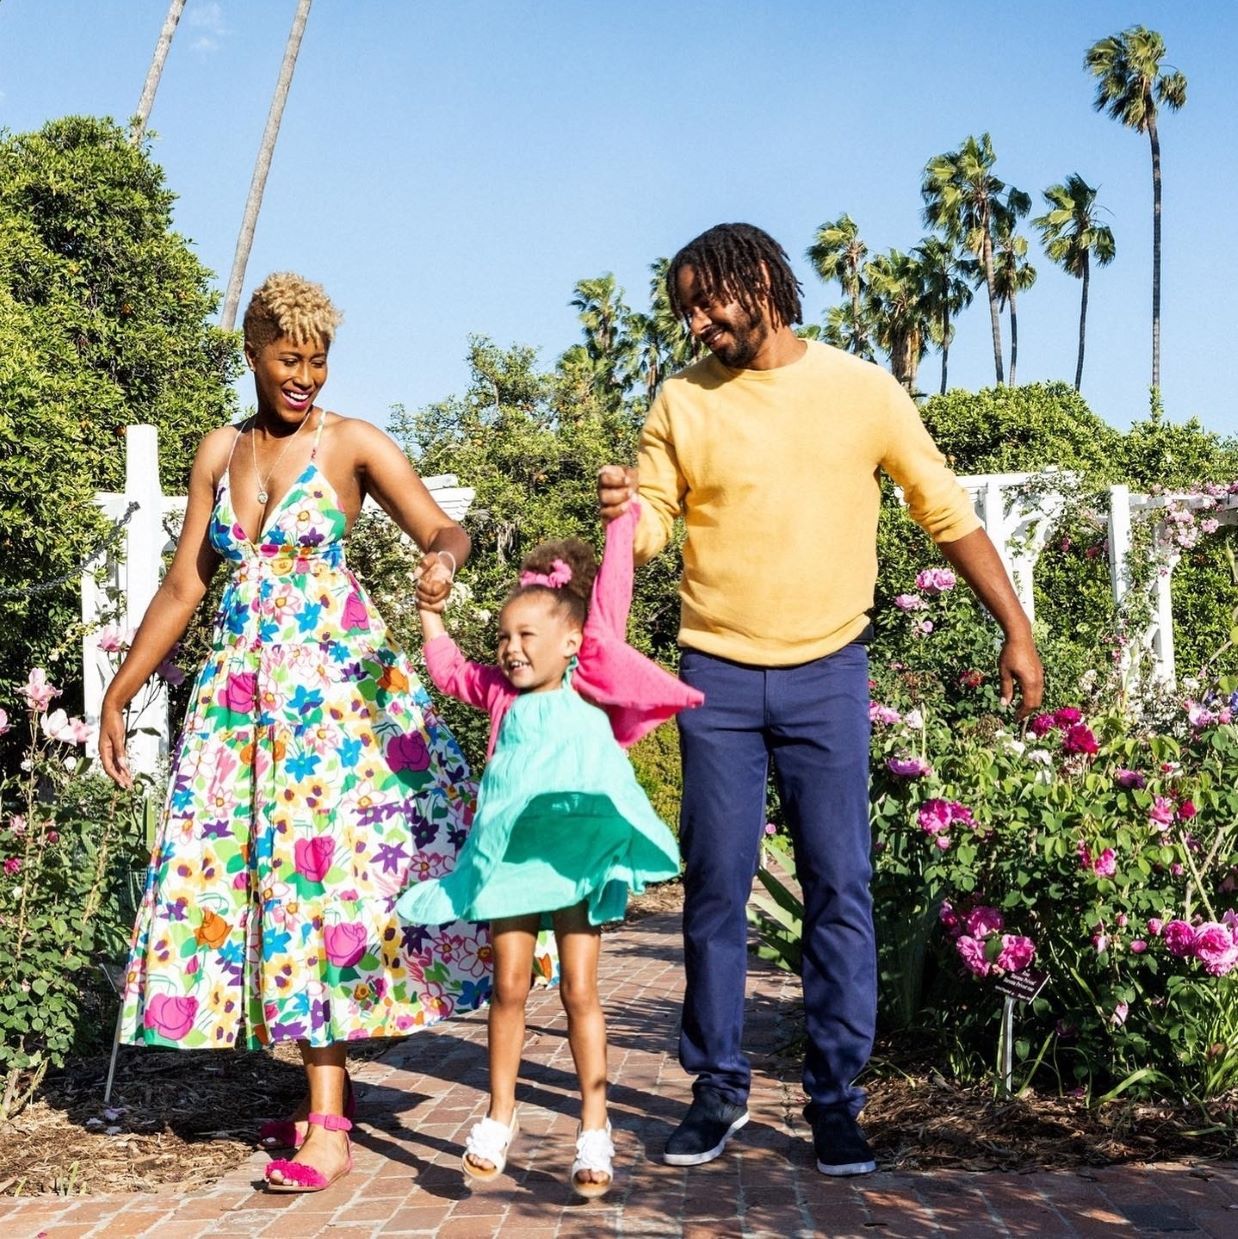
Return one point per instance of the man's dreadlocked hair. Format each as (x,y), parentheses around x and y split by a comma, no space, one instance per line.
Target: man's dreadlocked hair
(742,263)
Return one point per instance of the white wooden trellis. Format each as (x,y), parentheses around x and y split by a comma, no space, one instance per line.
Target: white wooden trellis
(133,579)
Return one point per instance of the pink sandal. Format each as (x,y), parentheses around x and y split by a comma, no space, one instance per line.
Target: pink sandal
(299,1177)
(283,1133)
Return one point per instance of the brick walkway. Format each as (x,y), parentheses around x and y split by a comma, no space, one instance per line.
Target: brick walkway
(419,1099)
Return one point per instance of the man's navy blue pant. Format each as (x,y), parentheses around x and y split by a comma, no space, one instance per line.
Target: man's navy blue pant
(812,722)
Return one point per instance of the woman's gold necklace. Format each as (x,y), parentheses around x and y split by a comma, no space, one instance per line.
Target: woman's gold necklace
(263,493)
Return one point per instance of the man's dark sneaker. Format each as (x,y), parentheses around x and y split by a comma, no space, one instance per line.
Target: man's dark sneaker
(710,1122)
(839,1143)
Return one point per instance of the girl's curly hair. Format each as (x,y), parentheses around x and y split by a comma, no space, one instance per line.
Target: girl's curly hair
(286,304)
(550,558)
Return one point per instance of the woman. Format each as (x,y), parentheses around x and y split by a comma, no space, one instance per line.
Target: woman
(313,779)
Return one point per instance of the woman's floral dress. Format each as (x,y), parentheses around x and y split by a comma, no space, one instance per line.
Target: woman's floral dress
(313,782)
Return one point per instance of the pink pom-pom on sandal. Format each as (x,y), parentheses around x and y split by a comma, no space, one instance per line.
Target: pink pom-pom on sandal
(297,1176)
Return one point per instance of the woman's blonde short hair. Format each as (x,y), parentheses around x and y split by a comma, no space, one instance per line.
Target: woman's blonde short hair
(286,304)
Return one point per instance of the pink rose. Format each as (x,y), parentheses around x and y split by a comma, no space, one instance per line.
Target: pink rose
(408,752)
(1067,716)
(982,921)
(1106,864)
(1138,946)
(1120,1012)
(1215,948)
(345,943)
(1154,926)
(1016,953)
(1128,779)
(1161,814)
(948,917)
(12,865)
(1041,725)
(971,951)
(935,580)
(1179,938)
(171,1018)
(908,767)
(934,816)
(239,692)
(4,721)
(910,602)
(1187,810)
(313,857)
(38,691)
(1079,739)
(355,614)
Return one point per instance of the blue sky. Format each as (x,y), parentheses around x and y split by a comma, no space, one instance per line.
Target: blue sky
(455,168)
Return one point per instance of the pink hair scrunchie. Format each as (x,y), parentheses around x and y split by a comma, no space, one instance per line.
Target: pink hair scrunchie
(558,577)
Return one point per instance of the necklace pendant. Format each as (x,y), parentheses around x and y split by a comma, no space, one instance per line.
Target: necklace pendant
(263,497)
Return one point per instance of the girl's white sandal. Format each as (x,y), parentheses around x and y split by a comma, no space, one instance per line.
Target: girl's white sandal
(488,1141)
(594,1151)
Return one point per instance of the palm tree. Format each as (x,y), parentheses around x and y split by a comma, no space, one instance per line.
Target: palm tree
(1012,273)
(609,340)
(847,327)
(961,195)
(838,254)
(679,345)
(947,292)
(155,72)
(1072,235)
(1130,84)
(894,300)
(262,165)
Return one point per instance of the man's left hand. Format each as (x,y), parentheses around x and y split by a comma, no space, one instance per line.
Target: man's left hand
(1020,663)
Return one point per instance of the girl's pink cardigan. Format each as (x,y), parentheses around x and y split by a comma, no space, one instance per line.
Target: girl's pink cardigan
(634,691)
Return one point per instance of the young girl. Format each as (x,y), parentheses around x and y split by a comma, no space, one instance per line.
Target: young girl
(563,830)
(312,763)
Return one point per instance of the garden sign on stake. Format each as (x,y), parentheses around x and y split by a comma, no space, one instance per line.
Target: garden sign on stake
(1021,987)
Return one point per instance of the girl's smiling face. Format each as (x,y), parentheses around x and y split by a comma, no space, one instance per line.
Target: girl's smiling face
(288,376)
(537,639)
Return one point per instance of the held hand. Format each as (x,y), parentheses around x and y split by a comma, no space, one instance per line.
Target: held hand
(616,489)
(112,747)
(433,576)
(1020,662)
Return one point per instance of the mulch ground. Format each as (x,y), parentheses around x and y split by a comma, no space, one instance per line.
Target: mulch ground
(185,1119)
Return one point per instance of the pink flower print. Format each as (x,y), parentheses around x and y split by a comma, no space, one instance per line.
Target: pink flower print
(238,694)
(971,951)
(345,943)
(982,921)
(408,752)
(170,1017)
(355,615)
(1161,814)
(38,691)
(313,857)
(1179,938)
(1216,948)
(1016,953)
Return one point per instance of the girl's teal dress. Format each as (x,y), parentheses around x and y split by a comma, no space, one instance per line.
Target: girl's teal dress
(560,819)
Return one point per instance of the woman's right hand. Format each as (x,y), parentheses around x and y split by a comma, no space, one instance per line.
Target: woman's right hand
(112,746)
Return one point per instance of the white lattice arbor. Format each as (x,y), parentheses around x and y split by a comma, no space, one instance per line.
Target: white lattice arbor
(1124,509)
(152,521)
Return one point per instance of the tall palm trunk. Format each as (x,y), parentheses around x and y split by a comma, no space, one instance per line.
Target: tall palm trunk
(1083,318)
(994,314)
(855,310)
(1014,338)
(155,72)
(945,347)
(1156,252)
(262,165)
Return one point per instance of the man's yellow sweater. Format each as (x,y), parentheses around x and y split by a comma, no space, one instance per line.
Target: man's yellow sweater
(775,474)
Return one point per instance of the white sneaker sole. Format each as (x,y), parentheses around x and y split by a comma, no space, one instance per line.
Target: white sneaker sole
(699,1159)
(847,1168)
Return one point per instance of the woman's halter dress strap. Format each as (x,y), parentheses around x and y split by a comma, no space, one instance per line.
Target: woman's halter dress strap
(322,421)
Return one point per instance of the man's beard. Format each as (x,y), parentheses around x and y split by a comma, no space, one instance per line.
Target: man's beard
(746,339)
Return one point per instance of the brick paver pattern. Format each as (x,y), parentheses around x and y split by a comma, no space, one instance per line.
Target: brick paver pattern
(417,1102)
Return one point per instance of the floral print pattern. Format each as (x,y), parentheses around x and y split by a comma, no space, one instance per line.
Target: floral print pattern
(313,782)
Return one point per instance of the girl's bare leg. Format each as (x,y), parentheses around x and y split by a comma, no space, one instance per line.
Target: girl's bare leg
(513,939)
(579,948)
(326,1151)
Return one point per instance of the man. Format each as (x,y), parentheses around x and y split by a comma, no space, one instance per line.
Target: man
(769,450)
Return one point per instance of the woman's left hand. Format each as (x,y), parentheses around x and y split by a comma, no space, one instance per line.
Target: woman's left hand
(434,576)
